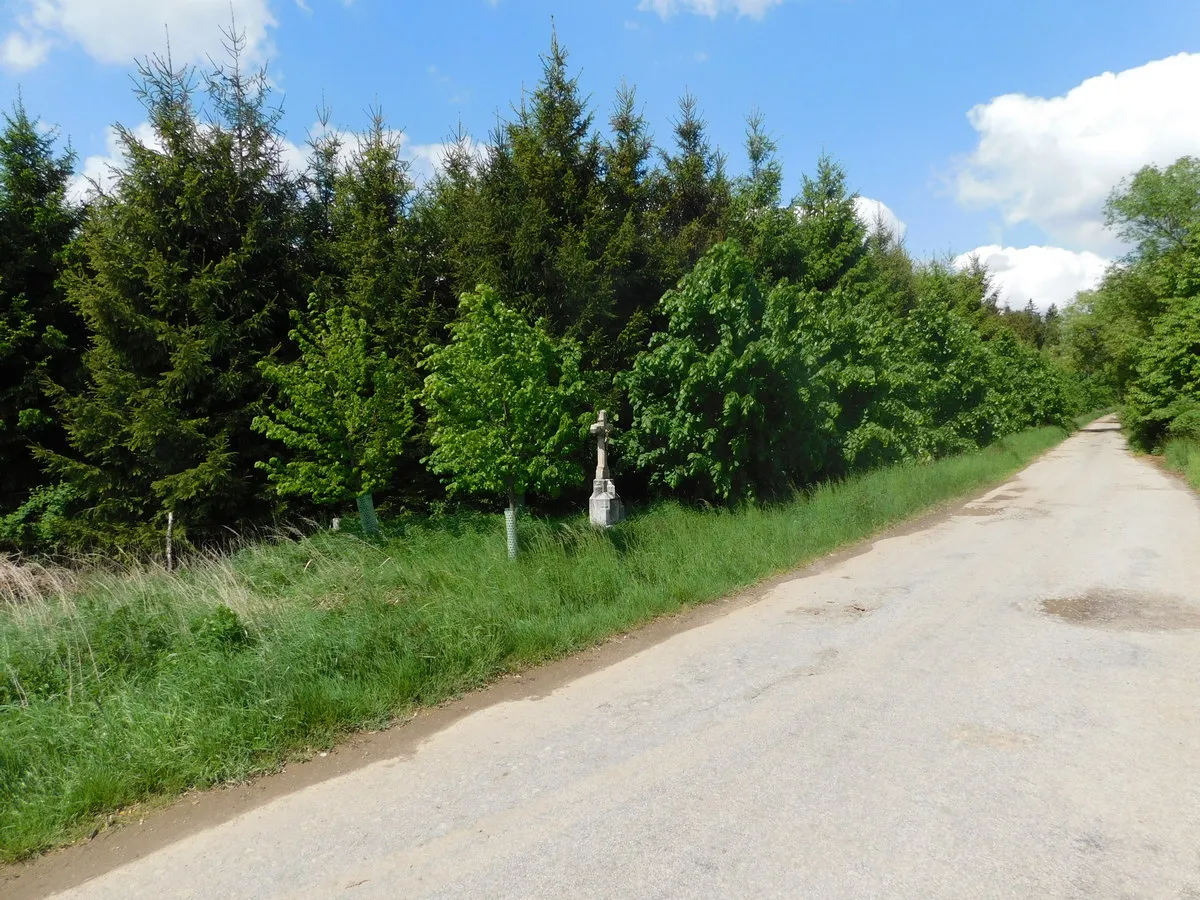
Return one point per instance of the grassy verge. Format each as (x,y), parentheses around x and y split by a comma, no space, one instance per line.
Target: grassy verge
(1183,456)
(144,685)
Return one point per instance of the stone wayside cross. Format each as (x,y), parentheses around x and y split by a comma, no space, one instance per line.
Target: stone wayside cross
(602,429)
(604,507)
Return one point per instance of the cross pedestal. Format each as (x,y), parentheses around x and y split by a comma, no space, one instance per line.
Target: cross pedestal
(604,507)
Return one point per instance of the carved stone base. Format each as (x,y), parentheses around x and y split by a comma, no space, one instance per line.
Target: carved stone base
(604,507)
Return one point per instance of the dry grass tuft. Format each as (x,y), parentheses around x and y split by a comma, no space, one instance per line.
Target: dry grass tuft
(24,583)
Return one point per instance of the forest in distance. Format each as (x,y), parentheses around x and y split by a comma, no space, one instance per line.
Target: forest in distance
(221,340)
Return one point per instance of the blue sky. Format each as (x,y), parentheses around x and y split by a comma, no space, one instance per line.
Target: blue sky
(887,87)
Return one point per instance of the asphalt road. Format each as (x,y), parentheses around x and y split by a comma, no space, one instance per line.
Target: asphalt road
(1003,704)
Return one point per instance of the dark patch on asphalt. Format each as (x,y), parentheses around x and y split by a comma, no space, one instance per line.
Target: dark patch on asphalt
(1119,610)
(834,611)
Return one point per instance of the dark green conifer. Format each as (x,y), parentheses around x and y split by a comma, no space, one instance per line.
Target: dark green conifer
(186,274)
(40,335)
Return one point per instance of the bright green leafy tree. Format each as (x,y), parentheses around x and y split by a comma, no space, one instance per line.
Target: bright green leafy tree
(950,375)
(343,412)
(1028,387)
(852,329)
(1164,397)
(724,401)
(506,404)
(1132,337)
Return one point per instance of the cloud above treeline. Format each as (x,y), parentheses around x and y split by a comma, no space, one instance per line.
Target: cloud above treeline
(873,213)
(424,161)
(118,31)
(1052,162)
(754,9)
(1045,275)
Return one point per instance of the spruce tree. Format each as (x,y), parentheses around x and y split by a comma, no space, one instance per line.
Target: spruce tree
(833,240)
(768,231)
(316,188)
(692,194)
(632,256)
(542,208)
(41,336)
(186,275)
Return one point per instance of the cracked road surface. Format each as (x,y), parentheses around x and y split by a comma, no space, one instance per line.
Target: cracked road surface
(1003,704)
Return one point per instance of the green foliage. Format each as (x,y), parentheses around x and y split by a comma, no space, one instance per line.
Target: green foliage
(1136,337)
(863,369)
(185,275)
(769,231)
(40,335)
(220,628)
(1028,388)
(1164,396)
(343,410)
(539,214)
(1157,209)
(506,404)
(1183,455)
(724,405)
(633,257)
(211,389)
(344,407)
(833,241)
(42,521)
(951,376)
(691,194)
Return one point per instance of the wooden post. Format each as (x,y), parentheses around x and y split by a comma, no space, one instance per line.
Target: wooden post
(170,534)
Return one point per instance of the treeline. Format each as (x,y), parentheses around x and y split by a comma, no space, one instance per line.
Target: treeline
(1137,336)
(223,340)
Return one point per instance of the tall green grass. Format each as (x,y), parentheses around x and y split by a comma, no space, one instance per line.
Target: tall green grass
(142,685)
(1183,455)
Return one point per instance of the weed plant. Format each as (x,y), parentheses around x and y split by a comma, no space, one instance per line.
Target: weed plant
(132,686)
(1183,455)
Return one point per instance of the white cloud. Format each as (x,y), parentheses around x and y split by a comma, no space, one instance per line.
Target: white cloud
(425,160)
(20,52)
(872,212)
(1052,162)
(119,31)
(755,9)
(101,169)
(429,159)
(1043,274)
